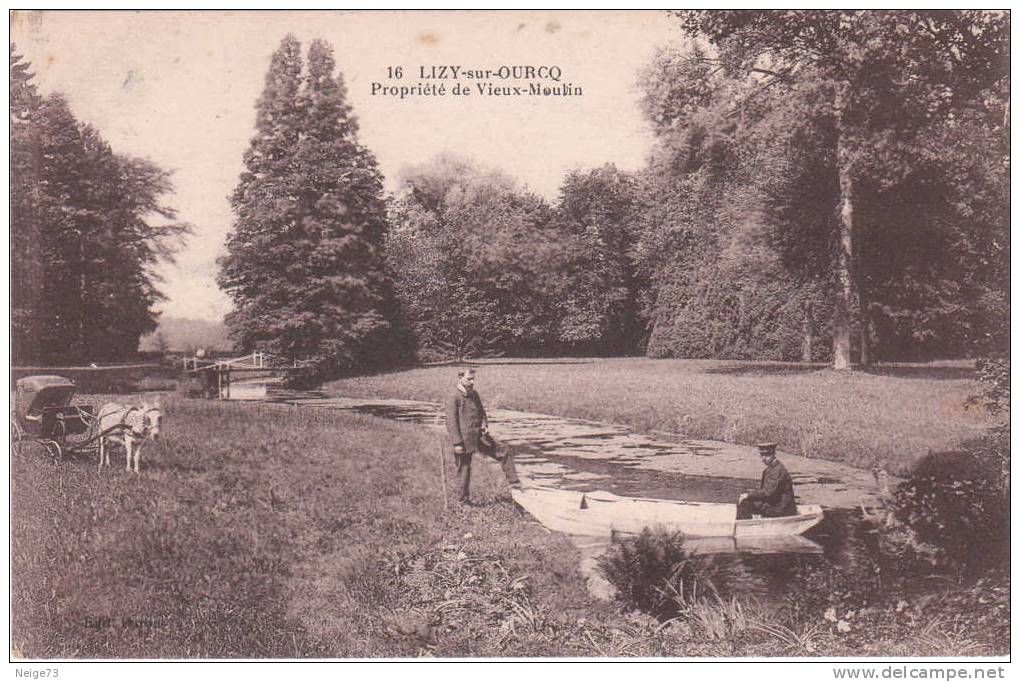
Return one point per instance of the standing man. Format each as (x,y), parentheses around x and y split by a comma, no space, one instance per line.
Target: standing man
(466,424)
(775,495)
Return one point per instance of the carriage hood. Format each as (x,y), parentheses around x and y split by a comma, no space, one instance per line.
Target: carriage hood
(36,392)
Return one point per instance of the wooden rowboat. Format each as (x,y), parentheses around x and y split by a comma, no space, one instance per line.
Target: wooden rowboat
(784,544)
(601,513)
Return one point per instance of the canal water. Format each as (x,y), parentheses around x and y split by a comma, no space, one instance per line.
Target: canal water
(584,455)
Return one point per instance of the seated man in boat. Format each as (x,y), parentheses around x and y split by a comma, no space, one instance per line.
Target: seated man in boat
(467,427)
(775,496)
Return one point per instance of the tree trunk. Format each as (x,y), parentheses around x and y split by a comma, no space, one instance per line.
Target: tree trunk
(82,345)
(809,333)
(865,335)
(863,315)
(846,272)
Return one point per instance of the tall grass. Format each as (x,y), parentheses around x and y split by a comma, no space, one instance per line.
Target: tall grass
(894,414)
(271,531)
(654,574)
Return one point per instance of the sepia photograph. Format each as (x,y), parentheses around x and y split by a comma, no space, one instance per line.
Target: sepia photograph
(511,336)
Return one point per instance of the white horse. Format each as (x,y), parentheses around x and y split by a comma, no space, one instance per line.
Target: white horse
(130,426)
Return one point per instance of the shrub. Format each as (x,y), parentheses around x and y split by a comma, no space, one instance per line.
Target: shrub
(852,584)
(303,378)
(192,386)
(907,555)
(653,573)
(952,504)
(992,449)
(994,375)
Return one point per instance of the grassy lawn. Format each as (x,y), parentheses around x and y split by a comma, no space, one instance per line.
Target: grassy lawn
(272,531)
(268,531)
(892,413)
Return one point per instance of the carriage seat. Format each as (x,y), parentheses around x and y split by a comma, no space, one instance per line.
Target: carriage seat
(63,420)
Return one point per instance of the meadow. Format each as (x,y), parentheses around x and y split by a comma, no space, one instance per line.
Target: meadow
(271,531)
(890,413)
(261,530)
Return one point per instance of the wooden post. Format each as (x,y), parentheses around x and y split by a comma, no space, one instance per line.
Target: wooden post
(442,469)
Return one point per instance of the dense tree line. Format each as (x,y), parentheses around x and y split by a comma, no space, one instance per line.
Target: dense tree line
(824,185)
(869,150)
(473,261)
(87,227)
(483,267)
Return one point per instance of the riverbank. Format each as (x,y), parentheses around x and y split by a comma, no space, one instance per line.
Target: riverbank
(259,531)
(894,414)
(587,455)
(271,531)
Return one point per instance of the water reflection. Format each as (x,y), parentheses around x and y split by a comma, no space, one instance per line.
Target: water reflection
(768,568)
(769,573)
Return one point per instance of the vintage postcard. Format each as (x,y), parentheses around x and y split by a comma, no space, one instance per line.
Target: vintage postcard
(511,336)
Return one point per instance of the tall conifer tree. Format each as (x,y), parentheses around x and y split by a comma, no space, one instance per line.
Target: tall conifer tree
(87,227)
(25,251)
(304,263)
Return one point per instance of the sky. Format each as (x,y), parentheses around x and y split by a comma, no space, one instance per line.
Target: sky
(179,88)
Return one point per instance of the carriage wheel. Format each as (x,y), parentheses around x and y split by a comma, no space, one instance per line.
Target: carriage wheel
(17,437)
(53,450)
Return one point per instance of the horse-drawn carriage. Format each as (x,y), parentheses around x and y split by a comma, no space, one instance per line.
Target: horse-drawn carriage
(43,412)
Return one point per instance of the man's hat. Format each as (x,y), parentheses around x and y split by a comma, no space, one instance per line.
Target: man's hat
(466,372)
(766,449)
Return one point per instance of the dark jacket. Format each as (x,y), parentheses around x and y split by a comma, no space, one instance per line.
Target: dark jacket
(776,491)
(464,418)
